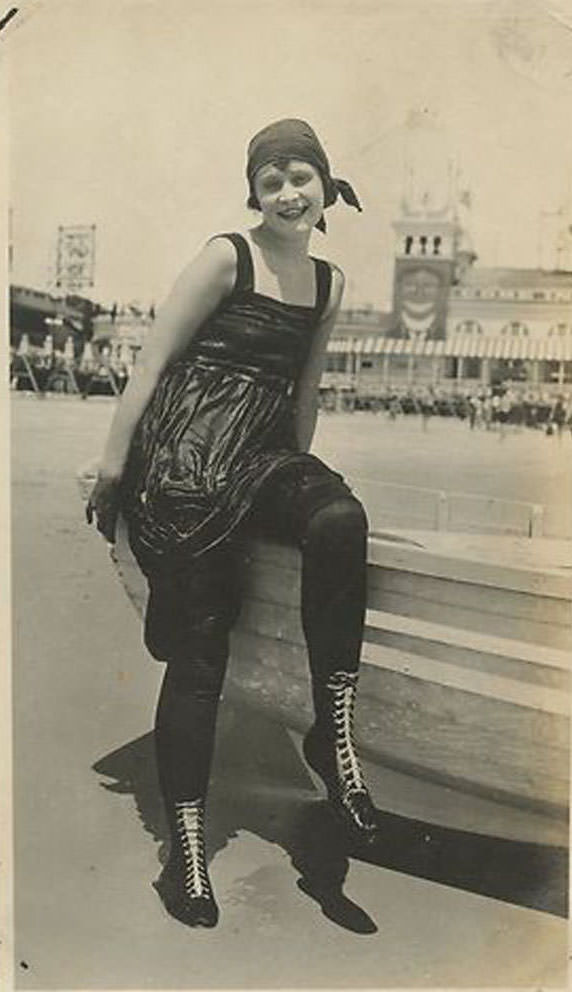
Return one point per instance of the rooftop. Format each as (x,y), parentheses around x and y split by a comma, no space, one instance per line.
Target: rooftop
(507,278)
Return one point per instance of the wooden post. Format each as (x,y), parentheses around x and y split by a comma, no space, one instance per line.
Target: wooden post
(385,373)
(536,522)
(111,378)
(410,370)
(30,374)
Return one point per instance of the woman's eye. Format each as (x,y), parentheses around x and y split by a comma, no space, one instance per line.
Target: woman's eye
(300,178)
(271,185)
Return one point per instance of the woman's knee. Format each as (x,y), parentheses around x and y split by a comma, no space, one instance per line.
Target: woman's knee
(200,662)
(344,519)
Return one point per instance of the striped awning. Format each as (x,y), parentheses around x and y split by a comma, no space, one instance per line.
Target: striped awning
(555,349)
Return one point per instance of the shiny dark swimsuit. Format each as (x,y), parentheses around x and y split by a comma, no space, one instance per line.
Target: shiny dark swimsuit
(214,461)
(215,440)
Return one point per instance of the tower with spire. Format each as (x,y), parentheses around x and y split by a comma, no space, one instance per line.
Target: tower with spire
(432,250)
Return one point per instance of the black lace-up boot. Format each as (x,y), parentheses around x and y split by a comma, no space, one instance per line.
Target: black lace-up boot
(184,884)
(329,749)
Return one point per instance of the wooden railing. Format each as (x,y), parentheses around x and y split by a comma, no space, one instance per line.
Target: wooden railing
(392,505)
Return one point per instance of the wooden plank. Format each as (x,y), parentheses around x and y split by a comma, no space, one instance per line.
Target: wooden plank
(494,687)
(292,657)
(282,585)
(482,643)
(462,655)
(443,734)
(283,623)
(540,566)
(521,616)
(497,624)
(483,598)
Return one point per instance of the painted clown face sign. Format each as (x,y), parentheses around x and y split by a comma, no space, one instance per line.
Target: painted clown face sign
(420,302)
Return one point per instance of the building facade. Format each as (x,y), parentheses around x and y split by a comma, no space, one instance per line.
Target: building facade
(454,325)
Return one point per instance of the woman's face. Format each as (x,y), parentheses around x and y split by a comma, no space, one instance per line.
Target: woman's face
(290,196)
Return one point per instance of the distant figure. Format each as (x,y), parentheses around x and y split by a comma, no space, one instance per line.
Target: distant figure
(504,407)
(475,411)
(427,408)
(559,415)
(394,408)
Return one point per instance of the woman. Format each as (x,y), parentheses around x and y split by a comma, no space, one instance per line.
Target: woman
(210,444)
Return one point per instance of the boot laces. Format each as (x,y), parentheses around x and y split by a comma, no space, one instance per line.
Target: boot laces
(343,686)
(190,832)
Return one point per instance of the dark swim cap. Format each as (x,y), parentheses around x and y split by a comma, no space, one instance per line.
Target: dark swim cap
(293,138)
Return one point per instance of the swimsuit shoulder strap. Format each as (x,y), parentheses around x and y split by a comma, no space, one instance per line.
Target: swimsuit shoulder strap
(244,267)
(323,285)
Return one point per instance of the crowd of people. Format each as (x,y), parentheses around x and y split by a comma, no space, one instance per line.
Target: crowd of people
(486,408)
(56,373)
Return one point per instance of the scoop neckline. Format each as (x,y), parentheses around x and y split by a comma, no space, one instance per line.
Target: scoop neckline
(274,299)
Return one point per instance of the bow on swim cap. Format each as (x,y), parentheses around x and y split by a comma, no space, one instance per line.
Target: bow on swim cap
(293,138)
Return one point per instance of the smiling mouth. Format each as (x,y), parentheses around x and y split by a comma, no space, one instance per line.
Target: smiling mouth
(293,213)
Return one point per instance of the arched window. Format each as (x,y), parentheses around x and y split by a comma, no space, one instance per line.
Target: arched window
(559,330)
(515,328)
(469,327)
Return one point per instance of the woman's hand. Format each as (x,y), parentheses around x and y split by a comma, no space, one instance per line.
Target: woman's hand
(103,502)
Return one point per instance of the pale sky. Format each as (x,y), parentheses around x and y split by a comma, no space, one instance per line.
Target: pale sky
(134,115)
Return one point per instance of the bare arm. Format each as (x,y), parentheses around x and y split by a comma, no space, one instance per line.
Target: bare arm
(306,403)
(197,291)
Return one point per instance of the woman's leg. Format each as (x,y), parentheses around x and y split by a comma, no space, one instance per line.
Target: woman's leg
(185,724)
(334,563)
(185,727)
(316,511)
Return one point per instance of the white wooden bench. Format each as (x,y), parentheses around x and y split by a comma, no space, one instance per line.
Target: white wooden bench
(466,659)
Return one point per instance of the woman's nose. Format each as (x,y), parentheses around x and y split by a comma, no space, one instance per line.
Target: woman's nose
(288,193)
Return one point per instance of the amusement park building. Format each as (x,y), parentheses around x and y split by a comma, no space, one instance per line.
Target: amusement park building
(453,324)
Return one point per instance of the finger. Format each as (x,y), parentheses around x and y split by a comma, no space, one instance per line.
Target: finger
(106,527)
(111,527)
(102,524)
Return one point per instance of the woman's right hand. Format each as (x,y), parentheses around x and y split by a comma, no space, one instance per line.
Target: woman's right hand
(103,503)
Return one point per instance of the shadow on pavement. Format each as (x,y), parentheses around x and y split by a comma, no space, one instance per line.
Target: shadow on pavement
(261,785)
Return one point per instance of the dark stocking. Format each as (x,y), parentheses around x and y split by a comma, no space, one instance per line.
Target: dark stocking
(333,610)
(334,562)
(184,739)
